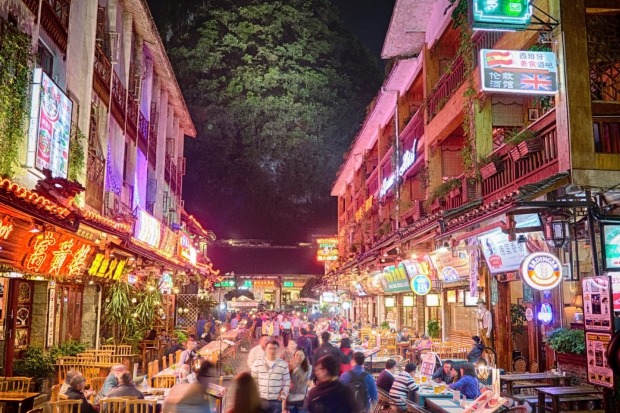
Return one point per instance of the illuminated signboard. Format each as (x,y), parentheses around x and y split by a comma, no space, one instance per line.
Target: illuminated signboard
(359,214)
(409,158)
(501,254)
(110,268)
(50,126)
(517,71)
(500,15)
(225,284)
(56,254)
(169,241)
(329,297)
(541,271)
(421,285)
(185,245)
(394,279)
(611,247)
(148,229)
(328,249)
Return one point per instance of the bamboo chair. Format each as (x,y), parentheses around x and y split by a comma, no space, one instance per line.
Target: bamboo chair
(141,406)
(164,363)
(55,391)
(390,344)
(62,397)
(533,366)
(96,384)
(519,365)
(67,406)
(4,385)
(104,358)
(18,384)
(109,347)
(112,404)
(171,359)
(177,356)
(164,381)
(123,350)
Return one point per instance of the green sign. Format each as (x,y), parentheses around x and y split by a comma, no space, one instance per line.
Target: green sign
(611,247)
(394,279)
(225,284)
(506,15)
(247,283)
(288,284)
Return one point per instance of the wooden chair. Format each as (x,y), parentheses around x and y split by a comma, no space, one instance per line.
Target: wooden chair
(55,391)
(533,366)
(390,344)
(109,347)
(96,384)
(164,381)
(164,363)
(177,356)
(123,350)
(170,359)
(112,404)
(18,384)
(383,403)
(141,406)
(519,365)
(35,410)
(4,385)
(62,397)
(67,406)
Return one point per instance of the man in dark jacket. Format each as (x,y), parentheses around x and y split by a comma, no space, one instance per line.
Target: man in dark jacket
(125,388)
(305,343)
(476,352)
(386,377)
(312,336)
(330,395)
(258,326)
(327,349)
(76,392)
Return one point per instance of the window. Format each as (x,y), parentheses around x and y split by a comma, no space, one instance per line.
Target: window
(46,60)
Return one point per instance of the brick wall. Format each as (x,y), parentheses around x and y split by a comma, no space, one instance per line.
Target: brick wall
(573,366)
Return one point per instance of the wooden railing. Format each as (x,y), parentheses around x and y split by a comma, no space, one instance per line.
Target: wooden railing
(143,133)
(132,118)
(528,170)
(55,21)
(445,88)
(606,134)
(119,100)
(101,75)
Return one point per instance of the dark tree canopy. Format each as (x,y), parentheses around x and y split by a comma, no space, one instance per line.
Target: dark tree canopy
(277,90)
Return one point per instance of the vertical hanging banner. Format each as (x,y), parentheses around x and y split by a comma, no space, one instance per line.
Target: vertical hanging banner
(474,262)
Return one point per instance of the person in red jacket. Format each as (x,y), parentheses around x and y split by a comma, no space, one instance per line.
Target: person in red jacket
(345,348)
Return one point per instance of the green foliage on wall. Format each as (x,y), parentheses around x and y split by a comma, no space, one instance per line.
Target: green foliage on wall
(76,153)
(16,59)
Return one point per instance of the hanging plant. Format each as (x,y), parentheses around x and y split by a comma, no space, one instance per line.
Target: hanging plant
(76,153)
(16,59)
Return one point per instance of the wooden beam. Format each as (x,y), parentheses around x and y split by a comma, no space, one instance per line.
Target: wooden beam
(602,6)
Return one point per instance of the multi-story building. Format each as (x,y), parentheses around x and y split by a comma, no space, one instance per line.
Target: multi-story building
(101,89)
(479,150)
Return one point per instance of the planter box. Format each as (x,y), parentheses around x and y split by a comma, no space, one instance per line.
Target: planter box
(455,192)
(491,169)
(530,146)
(575,360)
(515,155)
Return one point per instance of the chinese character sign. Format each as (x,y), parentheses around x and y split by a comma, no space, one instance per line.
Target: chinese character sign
(515,71)
(57,254)
(328,249)
(500,14)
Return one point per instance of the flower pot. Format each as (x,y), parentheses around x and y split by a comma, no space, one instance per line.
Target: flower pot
(491,169)
(514,153)
(530,146)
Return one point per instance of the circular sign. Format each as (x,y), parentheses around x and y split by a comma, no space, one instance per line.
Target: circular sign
(346,305)
(420,284)
(529,314)
(546,313)
(541,271)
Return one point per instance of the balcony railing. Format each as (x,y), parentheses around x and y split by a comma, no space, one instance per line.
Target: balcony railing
(119,100)
(55,21)
(606,134)
(528,170)
(152,156)
(101,76)
(143,133)
(132,118)
(170,174)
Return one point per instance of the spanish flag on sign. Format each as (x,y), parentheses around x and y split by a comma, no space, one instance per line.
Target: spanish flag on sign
(498,58)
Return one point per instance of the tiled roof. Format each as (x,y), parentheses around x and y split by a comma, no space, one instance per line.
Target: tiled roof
(32,199)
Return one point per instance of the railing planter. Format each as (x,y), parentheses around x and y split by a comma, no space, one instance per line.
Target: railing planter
(514,153)
(530,146)
(492,168)
(469,189)
(455,192)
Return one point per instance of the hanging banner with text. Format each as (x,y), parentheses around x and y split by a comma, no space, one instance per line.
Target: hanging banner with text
(517,71)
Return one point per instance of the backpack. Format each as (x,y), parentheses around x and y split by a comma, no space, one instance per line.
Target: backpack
(359,389)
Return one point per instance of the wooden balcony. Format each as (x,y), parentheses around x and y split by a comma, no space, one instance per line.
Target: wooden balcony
(606,134)
(170,174)
(132,118)
(143,133)
(529,170)
(101,75)
(119,100)
(55,20)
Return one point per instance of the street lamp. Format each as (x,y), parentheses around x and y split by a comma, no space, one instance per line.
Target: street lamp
(557,232)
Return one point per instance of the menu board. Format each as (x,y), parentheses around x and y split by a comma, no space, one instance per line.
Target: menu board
(597,309)
(451,266)
(502,255)
(394,279)
(599,371)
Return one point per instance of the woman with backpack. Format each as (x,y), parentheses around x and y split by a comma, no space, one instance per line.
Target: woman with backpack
(347,355)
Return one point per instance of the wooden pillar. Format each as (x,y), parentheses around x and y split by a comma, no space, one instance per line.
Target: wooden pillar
(483,114)
(501,321)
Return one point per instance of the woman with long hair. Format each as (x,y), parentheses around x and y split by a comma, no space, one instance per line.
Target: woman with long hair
(300,374)
(347,354)
(246,398)
(468,383)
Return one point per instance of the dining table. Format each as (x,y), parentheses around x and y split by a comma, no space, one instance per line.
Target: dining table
(566,394)
(443,406)
(424,393)
(532,380)
(21,400)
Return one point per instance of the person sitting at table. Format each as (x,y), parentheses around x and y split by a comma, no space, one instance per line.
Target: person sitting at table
(403,336)
(476,352)
(152,335)
(184,372)
(125,388)
(424,344)
(468,383)
(443,373)
(404,386)
(190,397)
(67,383)
(76,392)
(189,354)
(110,382)
(386,377)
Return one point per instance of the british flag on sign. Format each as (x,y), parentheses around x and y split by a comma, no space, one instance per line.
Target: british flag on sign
(536,82)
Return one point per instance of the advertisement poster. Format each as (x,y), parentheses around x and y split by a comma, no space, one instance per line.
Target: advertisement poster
(615,289)
(474,263)
(451,266)
(519,71)
(597,312)
(54,131)
(503,255)
(394,279)
(611,246)
(599,372)
(418,266)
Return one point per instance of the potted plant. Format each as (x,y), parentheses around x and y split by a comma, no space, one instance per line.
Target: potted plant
(37,364)
(517,321)
(569,345)
(433,328)
(524,143)
(490,165)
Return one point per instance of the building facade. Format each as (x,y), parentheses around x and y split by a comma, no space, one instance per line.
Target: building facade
(464,167)
(93,191)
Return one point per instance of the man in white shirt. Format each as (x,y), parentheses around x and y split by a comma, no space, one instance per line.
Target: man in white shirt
(188,355)
(273,378)
(258,352)
(296,327)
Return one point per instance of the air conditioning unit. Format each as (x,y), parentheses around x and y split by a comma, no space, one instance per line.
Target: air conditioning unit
(112,203)
(115,47)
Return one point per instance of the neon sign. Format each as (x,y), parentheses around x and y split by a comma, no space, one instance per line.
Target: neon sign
(110,268)
(507,15)
(35,261)
(409,158)
(56,254)
(541,271)
(546,313)
(6,227)
(148,229)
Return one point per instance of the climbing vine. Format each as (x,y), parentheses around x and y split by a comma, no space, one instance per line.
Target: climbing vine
(16,59)
(76,153)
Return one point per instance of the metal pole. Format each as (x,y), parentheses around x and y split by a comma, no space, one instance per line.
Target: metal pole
(97,333)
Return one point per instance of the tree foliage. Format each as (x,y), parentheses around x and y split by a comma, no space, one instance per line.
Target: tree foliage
(277,90)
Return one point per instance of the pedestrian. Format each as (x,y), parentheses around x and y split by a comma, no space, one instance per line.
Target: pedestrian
(347,355)
(268,327)
(403,386)
(273,378)
(476,352)
(327,349)
(296,326)
(258,352)
(300,370)
(330,395)
(468,383)
(386,377)
(361,383)
(443,373)
(312,336)
(285,330)
(276,326)
(288,353)
(304,342)
(246,398)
